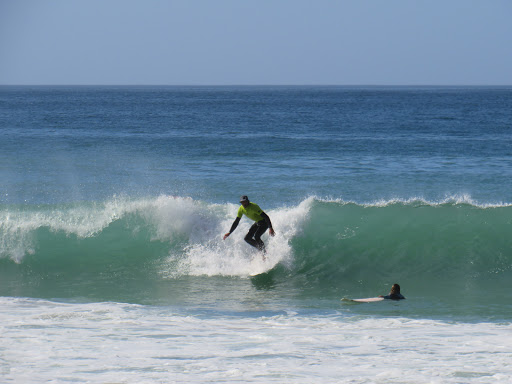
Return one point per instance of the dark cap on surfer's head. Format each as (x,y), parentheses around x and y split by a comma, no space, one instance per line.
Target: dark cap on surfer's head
(244,198)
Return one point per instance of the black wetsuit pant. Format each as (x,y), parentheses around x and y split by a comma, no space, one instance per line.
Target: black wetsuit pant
(253,237)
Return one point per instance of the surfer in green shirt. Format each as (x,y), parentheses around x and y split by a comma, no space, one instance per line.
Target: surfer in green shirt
(261,219)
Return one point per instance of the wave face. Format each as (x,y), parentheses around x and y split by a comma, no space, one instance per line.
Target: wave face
(125,249)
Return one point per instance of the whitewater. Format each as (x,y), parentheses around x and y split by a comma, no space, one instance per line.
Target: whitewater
(127,343)
(114,202)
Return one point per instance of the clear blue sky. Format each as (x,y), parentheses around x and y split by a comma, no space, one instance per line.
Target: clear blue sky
(226,42)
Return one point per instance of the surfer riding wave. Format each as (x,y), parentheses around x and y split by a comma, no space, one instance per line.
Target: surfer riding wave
(261,223)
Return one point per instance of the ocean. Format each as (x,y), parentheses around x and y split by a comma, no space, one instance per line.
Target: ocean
(114,202)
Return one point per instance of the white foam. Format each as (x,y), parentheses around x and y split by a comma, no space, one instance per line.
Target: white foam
(131,343)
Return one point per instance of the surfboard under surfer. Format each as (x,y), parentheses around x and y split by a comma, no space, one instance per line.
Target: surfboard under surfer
(261,223)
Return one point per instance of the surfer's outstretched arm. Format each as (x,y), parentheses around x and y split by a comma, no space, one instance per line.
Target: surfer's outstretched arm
(233,227)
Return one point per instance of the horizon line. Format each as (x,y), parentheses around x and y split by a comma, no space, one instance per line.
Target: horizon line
(255,85)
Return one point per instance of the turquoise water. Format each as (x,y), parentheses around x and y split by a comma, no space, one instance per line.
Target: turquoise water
(122,194)
(452,259)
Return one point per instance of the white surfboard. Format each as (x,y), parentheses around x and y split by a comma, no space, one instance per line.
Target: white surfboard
(368,300)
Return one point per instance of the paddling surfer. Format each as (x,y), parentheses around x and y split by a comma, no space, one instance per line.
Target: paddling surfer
(261,223)
(394,294)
